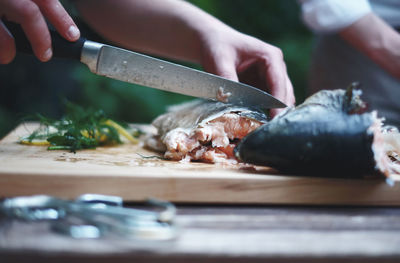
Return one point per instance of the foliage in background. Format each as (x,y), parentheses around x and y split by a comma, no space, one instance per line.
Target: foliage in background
(39,88)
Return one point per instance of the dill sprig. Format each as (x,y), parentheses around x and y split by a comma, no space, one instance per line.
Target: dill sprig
(79,129)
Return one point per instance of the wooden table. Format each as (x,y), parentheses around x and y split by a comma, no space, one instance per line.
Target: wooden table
(227,234)
(272,230)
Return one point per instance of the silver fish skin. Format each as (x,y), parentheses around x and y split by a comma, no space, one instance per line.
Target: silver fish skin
(197,112)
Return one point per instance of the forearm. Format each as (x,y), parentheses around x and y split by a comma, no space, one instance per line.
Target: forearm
(170,28)
(376,39)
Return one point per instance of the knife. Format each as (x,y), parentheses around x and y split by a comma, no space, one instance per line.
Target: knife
(133,67)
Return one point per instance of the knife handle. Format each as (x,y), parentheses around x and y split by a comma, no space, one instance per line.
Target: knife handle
(62,48)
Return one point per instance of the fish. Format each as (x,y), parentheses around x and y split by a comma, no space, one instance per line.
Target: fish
(202,130)
(331,134)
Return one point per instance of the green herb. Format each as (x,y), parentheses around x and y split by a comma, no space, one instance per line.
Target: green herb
(79,129)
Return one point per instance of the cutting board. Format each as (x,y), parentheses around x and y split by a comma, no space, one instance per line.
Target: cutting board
(134,173)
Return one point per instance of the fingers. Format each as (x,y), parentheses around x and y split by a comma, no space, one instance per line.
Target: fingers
(290,97)
(267,71)
(220,62)
(262,65)
(277,79)
(289,101)
(226,69)
(59,18)
(279,83)
(29,14)
(7,45)
(280,86)
(276,74)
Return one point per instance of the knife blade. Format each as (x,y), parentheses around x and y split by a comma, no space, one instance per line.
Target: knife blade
(133,67)
(147,71)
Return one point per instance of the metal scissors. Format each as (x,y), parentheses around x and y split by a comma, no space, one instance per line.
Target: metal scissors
(93,215)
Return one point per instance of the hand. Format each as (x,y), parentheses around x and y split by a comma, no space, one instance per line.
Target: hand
(30,14)
(376,39)
(240,57)
(182,31)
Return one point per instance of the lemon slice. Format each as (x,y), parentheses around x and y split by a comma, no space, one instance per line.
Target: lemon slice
(37,142)
(121,130)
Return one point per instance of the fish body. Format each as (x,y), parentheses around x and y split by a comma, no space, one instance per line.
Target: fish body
(327,135)
(330,134)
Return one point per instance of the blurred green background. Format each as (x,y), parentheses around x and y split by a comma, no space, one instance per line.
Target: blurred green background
(28,86)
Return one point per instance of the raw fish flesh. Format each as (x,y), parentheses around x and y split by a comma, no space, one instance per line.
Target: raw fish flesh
(204,130)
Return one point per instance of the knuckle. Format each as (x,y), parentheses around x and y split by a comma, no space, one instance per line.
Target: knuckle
(29,11)
(278,52)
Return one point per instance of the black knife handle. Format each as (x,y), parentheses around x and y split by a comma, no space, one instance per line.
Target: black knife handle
(62,48)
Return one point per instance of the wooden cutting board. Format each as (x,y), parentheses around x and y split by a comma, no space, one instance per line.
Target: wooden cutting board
(124,170)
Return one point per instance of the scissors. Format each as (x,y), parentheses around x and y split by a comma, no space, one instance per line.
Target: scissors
(94,215)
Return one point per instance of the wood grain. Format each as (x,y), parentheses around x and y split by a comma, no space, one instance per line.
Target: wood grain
(225,234)
(122,170)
